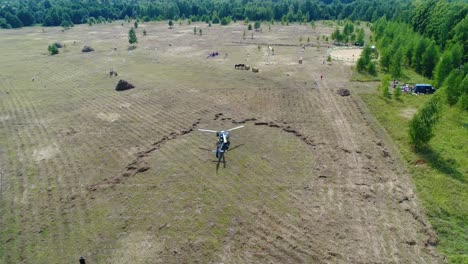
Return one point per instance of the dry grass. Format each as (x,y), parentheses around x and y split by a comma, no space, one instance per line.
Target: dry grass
(318,185)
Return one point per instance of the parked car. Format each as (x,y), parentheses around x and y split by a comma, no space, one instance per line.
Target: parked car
(424,88)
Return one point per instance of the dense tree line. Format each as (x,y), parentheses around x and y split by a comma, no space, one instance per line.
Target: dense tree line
(421,45)
(18,13)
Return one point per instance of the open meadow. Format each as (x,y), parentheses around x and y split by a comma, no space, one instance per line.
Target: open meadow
(125,177)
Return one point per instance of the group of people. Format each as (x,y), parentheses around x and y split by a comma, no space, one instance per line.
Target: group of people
(404,88)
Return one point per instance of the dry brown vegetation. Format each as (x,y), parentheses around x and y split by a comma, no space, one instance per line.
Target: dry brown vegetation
(123,177)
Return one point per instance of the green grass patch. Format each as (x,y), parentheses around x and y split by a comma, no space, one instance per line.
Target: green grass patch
(364,77)
(439,171)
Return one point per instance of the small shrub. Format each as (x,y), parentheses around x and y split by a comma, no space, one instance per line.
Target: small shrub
(53,49)
(249,27)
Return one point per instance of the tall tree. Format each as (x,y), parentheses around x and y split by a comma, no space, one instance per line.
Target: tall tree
(132,38)
(429,59)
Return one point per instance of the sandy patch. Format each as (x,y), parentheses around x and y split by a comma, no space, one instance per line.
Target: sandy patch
(109,117)
(345,54)
(408,113)
(137,247)
(46,153)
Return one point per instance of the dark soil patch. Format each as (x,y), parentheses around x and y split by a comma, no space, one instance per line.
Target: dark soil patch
(124,85)
(87,49)
(343,92)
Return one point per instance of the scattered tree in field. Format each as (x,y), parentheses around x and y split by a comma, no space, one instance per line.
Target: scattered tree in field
(329,59)
(422,123)
(170,23)
(308,39)
(225,21)
(209,24)
(364,63)
(144,32)
(257,25)
(249,27)
(194,30)
(215,18)
(132,38)
(135,24)
(53,49)
(200,31)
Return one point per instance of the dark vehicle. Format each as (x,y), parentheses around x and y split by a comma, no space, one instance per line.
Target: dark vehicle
(424,88)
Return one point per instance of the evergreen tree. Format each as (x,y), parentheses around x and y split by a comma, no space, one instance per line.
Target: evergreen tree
(170,23)
(422,123)
(429,60)
(132,38)
(256,25)
(396,62)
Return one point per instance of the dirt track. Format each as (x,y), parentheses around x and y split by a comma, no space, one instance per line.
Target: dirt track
(122,177)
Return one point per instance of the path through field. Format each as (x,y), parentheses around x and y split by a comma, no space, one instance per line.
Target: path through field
(125,177)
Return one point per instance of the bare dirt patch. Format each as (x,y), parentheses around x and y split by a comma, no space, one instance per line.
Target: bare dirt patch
(46,152)
(349,55)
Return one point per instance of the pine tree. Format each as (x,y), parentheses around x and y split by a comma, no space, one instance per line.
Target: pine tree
(132,38)
(429,60)
(421,125)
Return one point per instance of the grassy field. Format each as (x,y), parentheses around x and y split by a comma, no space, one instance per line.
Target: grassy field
(125,177)
(439,172)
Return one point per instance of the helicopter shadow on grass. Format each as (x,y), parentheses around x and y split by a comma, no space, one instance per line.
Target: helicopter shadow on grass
(222,158)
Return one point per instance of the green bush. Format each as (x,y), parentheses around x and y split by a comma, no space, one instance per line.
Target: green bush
(53,49)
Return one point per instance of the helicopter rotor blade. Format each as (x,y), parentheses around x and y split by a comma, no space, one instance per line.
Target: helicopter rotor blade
(207,130)
(235,128)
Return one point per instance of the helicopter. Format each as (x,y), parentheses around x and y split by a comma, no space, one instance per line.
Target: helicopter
(223,144)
